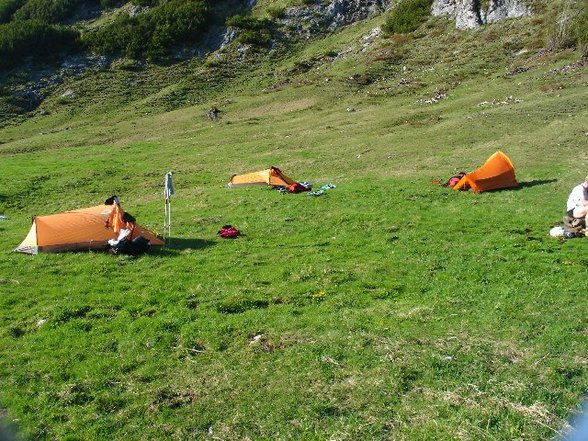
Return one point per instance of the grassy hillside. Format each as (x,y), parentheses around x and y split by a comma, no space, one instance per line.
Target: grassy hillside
(388,308)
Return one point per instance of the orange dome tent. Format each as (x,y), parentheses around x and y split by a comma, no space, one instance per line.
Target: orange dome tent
(271,176)
(496,173)
(83,229)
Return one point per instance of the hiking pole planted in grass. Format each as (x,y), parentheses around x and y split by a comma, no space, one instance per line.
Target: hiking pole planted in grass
(167,193)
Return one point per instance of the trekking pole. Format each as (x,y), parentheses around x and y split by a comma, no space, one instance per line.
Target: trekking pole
(167,192)
(169,221)
(165,222)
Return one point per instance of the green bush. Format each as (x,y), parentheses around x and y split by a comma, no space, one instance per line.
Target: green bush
(580,29)
(276,11)
(152,34)
(254,31)
(20,39)
(407,16)
(570,27)
(300,2)
(9,7)
(248,22)
(109,3)
(53,11)
(256,38)
(144,2)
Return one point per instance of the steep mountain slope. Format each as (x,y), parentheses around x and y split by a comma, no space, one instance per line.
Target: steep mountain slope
(275,25)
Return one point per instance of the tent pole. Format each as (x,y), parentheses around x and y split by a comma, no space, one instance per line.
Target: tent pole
(169,221)
(165,222)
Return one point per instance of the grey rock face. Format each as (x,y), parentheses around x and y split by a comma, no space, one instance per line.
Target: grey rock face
(313,18)
(342,12)
(468,14)
(443,7)
(501,9)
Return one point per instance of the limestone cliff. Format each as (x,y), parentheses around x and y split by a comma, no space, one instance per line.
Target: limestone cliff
(469,14)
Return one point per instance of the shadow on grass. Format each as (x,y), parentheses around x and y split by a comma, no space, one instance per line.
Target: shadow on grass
(176,243)
(527,184)
(536,182)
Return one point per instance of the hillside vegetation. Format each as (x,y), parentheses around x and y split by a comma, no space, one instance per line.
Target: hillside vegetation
(388,308)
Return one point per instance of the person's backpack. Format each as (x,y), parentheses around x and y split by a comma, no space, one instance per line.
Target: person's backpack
(298,187)
(139,245)
(294,188)
(228,232)
(573,225)
(135,247)
(452,182)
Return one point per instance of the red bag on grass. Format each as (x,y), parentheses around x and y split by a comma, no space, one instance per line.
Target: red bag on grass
(228,232)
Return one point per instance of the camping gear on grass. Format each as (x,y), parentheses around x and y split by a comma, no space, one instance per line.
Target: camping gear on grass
(298,187)
(79,230)
(228,232)
(322,190)
(135,247)
(573,225)
(496,173)
(271,176)
(454,180)
(559,231)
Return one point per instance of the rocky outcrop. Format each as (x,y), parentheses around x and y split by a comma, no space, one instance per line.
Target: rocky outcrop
(501,9)
(468,14)
(329,16)
(443,7)
(343,12)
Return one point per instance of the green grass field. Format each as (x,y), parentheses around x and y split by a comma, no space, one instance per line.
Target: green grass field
(389,308)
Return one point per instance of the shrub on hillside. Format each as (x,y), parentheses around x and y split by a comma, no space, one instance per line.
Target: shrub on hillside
(154,33)
(570,27)
(300,2)
(9,7)
(21,39)
(276,11)
(254,31)
(580,29)
(109,3)
(144,2)
(407,16)
(48,11)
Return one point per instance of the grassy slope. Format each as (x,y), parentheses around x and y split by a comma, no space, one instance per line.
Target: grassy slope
(388,308)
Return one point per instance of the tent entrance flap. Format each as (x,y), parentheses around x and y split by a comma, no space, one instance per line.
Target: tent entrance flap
(29,244)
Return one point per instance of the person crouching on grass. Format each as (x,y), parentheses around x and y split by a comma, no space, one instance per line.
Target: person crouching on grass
(126,231)
(577,205)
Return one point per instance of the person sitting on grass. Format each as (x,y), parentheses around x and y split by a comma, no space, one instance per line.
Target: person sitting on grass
(577,205)
(126,230)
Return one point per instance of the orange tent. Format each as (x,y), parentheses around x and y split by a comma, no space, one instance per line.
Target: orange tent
(497,172)
(271,176)
(84,229)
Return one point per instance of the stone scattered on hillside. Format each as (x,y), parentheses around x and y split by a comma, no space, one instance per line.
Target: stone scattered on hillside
(572,67)
(68,94)
(368,39)
(138,10)
(434,99)
(505,102)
